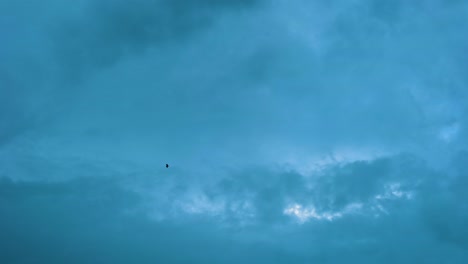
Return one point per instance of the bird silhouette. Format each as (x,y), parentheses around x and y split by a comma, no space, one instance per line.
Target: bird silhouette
(167,165)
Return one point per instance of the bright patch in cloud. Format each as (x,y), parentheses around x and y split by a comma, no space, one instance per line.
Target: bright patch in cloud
(394,191)
(201,204)
(303,214)
(449,133)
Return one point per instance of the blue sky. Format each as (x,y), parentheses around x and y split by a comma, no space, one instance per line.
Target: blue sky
(297,131)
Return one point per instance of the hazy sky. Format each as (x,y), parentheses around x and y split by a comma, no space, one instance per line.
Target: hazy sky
(297,131)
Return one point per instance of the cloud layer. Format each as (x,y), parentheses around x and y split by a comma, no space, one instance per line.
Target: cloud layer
(296,131)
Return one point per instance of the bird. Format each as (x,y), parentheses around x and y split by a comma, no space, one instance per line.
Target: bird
(167,165)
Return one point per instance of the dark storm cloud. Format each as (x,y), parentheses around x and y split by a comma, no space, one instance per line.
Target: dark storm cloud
(108,30)
(102,219)
(445,209)
(74,38)
(12,120)
(267,191)
(362,181)
(283,122)
(26,68)
(369,184)
(86,220)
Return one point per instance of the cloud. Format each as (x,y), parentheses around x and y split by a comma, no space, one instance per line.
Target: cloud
(290,94)
(109,218)
(109,30)
(74,40)
(87,219)
(296,131)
